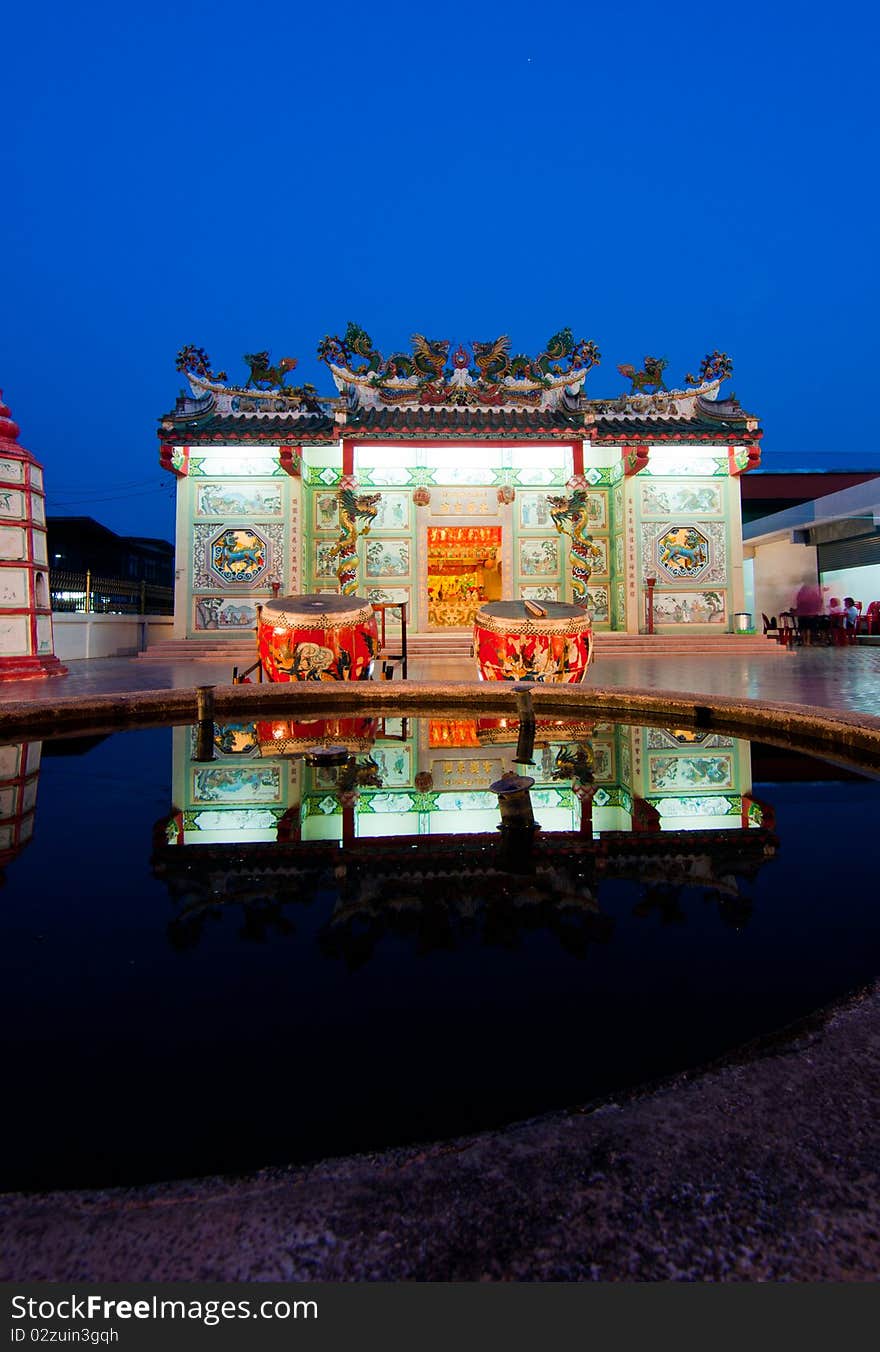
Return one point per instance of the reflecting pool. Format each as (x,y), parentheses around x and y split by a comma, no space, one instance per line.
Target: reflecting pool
(278,941)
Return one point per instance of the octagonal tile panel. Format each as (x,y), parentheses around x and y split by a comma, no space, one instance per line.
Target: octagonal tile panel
(683,551)
(238,555)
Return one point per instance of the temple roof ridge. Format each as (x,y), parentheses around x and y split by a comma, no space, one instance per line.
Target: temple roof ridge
(438,388)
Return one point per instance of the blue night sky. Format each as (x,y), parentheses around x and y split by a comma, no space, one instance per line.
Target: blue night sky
(664,179)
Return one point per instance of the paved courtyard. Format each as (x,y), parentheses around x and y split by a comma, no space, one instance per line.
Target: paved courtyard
(834,678)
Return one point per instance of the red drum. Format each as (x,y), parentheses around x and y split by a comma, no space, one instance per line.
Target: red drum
(281,737)
(548,731)
(511,644)
(317,637)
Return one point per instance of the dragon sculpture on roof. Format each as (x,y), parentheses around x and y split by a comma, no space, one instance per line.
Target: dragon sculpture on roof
(491,376)
(264,378)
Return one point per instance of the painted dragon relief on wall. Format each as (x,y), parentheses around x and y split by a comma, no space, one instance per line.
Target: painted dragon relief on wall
(693,551)
(236,556)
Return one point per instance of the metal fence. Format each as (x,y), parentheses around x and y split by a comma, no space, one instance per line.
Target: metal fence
(86,594)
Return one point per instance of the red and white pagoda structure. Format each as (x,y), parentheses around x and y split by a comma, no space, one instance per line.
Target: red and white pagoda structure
(26,641)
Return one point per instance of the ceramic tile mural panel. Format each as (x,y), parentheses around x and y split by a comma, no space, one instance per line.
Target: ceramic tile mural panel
(11,503)
(546,476)
(625,758)
(238,555)
(538,556)
(674,499)
(218,612)
(695,550)
(386,803)
(722,805)
(597,511)
(685,773)
(231,820)
(325,511)
(322,476)
(620,605)
(677,737)
(547,592)
(533,511)
(603,762)
(690,607)
(600,559)
(698,467)
(225,784)
(392,512)
(465,475)
(683,552)
(618,556)
(387,558)
(394,765)
(464,801)
(232,555)
(235,465)
(230,500)
(388,595)
(383,476)
(323,560)
(598,602)
(238,740)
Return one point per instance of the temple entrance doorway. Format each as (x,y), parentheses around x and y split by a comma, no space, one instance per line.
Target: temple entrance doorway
(464,571)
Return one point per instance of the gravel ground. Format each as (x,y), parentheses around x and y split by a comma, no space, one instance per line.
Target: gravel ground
(761,1169)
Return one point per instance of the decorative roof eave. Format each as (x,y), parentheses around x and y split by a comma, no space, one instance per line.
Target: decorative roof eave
(673,433)
(453,422)
(680,436)
(273,435)
(466,434)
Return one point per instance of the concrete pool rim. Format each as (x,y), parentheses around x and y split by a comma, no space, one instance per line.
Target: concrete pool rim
(850,737)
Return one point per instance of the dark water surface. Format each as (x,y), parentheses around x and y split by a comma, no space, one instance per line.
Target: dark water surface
(138,1049)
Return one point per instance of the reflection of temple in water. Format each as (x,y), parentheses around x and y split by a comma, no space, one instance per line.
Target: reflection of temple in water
(19,775)
(397,820)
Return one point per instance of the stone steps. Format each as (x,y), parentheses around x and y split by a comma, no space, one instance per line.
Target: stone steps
(241,652)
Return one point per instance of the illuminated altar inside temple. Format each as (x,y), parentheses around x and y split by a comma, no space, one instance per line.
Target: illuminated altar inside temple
(464,571)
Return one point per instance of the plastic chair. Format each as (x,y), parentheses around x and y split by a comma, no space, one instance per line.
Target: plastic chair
(789,634)
(869,623)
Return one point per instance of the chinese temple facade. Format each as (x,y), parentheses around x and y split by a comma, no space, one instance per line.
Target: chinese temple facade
(446,477)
